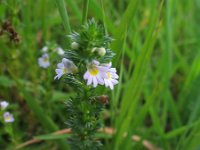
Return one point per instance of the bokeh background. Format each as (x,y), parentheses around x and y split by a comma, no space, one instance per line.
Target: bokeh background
(157,57)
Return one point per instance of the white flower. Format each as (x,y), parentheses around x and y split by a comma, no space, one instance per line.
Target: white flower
(8,117)
(45,49)
(44,61)
(3,104)
(60,51)
(66,66)
(112,77)
(95,74)
(74,45)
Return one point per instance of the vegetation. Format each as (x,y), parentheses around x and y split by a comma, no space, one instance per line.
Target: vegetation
(156,103)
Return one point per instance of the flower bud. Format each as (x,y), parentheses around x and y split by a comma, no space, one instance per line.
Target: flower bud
(101,51)
(45,49)
(74,45)
(103,99)
(60,51)
(94,49)
(3,104)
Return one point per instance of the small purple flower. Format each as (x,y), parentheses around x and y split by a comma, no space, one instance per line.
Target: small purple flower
(66,66)
(8,117)
(95,73)
(44,61)
(112,77)
(4,104)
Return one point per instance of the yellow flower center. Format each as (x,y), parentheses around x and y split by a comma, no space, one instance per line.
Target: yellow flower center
(64,70)
(45,60)
(93,71)
(7,118)
(108,74)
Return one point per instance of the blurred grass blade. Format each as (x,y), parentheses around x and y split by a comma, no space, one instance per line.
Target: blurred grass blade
(134,87)
(126,20)
(52,136)
(193,74)
(42,117)
(85,11)
(64,15)
(96,10)
(75,8)
(180,130)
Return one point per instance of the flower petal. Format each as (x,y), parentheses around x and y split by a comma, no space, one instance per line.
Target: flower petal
(100,80)
(110,85)
(94,82)
(114,81)
(89,80)
(86,75)
(60,65)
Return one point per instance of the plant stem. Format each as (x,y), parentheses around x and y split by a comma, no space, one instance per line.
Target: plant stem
(63,14)
(85,11)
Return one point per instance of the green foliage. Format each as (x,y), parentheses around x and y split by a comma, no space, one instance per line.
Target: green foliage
(91,35)
(157,57)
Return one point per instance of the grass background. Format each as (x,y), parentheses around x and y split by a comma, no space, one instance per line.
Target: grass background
(158,59)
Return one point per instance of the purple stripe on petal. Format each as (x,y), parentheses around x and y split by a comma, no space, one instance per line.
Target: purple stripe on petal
(114,81)
(114,75)
(95,62)
(100,80)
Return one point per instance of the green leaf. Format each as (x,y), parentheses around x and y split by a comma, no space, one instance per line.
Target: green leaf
(6,82)
(52,136)
(57,95)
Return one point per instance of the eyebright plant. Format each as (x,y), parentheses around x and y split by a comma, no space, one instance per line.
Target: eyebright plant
(86,65)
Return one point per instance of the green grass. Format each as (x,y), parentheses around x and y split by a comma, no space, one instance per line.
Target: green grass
(157,57)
